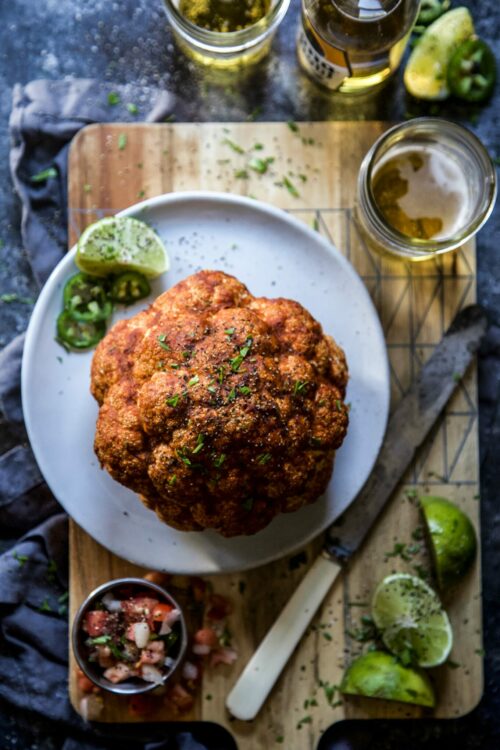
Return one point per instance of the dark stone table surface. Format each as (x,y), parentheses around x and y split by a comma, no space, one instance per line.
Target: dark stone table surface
(130,41)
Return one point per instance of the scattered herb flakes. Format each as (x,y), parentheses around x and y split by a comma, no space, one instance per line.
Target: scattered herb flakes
(87,188)
(185,460)
(122,141)
(304,720)
(327,636)
(357,604)
(453,664)
(247,504)
(315,224)
(234,146)
(338,404)
(329,691)
(422,572)
(242,587)
(293,126)
(219,460)
(194,381)
(245,390)
(254,114)
(417,534)
(263,459)
(113,98)
(162,341)
(258,147)
(260,165)
(172,480)
(186,355)
(44,175)
(291,187)
(226,637)
(200,444)
(399,550)
(457,377)
(132,108)
(230,331)
(141,193)
(241,174)
(63,598)
(237,361)
(480,651)
(362,634)
(21,559)
(232,395)
(62,610)
(211,389)
(297,560)
(413,549)
(300,387)
(45,606)
(173,400)
(280,739)
(10,297)
(220,374)
(174,365)
(51,571)
(208,697)
(60,360)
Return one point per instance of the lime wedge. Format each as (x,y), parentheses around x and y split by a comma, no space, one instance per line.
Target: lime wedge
(426,70)
(380,675)
(452,539)
(119,243)
(413,624)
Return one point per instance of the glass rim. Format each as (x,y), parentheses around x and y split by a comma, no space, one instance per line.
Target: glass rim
(226,41)
(436,125)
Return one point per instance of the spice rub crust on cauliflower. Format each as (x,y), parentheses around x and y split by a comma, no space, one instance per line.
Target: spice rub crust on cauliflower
(220,409)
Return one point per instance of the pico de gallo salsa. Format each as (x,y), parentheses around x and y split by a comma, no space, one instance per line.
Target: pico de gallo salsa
(132,636)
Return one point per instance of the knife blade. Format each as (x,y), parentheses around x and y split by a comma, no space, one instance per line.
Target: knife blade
(408,427)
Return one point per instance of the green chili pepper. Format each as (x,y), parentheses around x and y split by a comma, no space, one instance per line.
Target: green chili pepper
(85,298)
(129,287)
(472,71)
(79,334)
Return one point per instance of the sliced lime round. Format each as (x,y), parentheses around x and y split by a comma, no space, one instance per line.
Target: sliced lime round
(120,243)
(413,624)
(426,70)
(451,537)
(380,675)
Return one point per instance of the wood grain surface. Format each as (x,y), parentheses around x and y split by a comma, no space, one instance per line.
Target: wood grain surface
(416,302)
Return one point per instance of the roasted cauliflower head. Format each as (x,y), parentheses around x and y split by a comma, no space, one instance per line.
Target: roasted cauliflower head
(218,408)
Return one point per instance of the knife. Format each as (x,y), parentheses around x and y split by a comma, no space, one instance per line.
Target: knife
(408,427)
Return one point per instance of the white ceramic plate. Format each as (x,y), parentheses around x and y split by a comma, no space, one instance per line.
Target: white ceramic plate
(274,255)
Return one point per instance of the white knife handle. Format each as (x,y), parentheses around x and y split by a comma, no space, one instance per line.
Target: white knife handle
(255,683)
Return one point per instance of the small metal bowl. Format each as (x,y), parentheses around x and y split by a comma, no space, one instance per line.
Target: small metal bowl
(78,637)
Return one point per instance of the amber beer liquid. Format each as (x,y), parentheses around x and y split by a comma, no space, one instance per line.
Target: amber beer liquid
(352,45)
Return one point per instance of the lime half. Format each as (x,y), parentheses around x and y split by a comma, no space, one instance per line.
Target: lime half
(451,537)
(380,675)
(119,243)
(426,71)
(413,624)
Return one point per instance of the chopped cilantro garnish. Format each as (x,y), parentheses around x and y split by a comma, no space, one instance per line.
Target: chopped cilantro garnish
(132,108)
(44,175)
(194,381)
(173,400)
(63,598)
(234,146)
(100,640)
(161,340)
(212,389)
(186,354)
(236,361)
(280,739)
(220,374)
(258,146)
(457,377)
(12,297)
(172,480)
(300,387)
(293,126)
(45,606)
(338,404)
(260,165)
(122,141)
(241,174)
(21,559)
(113,98)
(174,365)
(316,224)
(219,460)
(329,690)
(291,187)
(229,331)
(264,458)
(304,720)
(232,394)
(183,458)
(200,442)
(87,188)
(245,390)
(327,636)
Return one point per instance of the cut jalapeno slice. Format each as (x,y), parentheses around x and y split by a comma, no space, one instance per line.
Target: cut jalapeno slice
(472,71)
(129,287)
(86,299)
(79,334)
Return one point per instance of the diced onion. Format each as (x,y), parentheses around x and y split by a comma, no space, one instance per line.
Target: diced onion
(189,671)
(172,616)
(165,628)
(169,662)
(151,674)
(141,634)
(201,649)
(111,604)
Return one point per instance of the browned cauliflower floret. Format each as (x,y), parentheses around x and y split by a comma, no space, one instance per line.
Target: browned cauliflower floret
(220,409)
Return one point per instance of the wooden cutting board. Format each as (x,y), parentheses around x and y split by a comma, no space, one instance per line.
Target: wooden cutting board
(113,166)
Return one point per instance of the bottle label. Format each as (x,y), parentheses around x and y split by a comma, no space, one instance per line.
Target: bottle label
(330,66)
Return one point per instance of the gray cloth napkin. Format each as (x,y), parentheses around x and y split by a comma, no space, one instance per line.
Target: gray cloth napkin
(33,573)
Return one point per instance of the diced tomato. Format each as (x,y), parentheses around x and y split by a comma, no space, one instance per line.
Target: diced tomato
(95,623)
(85,685)
(161,611)
(220,607)
(206,637)
(142,705)
(179,696)
(139,608)
(130,632)
(119,672)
